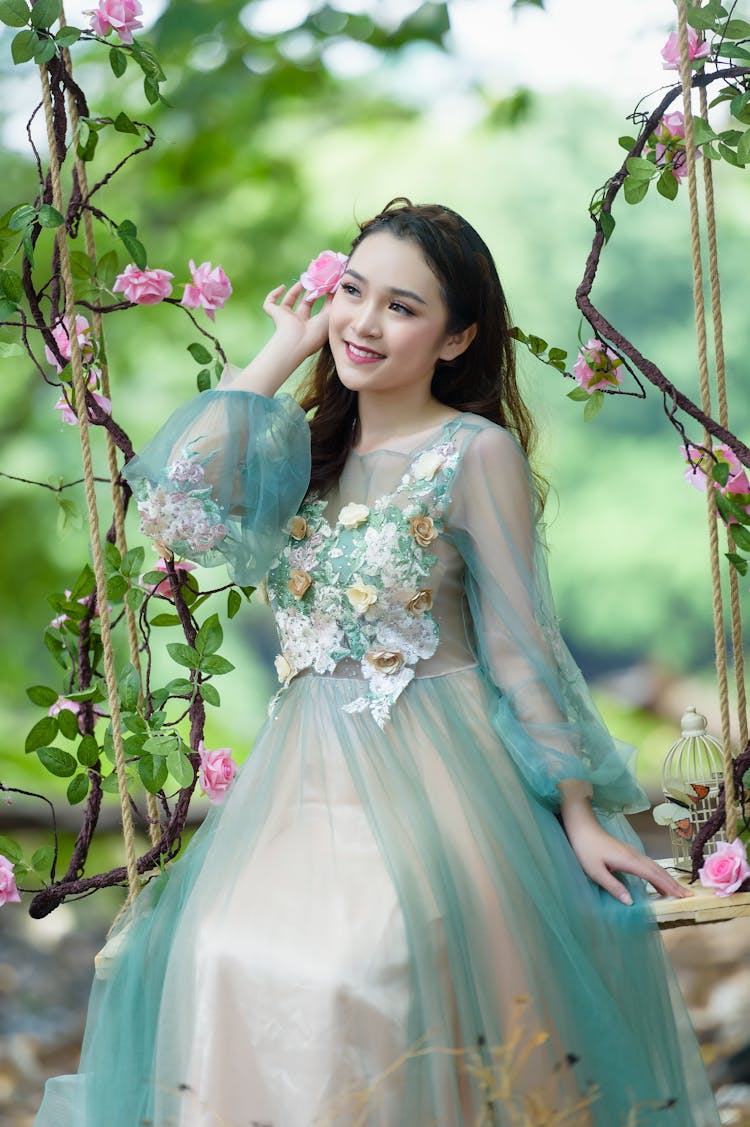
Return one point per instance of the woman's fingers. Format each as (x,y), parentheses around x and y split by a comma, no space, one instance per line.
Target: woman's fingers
(640,866)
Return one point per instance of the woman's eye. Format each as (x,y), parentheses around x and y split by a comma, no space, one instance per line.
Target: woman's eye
(399,308)
(347,287)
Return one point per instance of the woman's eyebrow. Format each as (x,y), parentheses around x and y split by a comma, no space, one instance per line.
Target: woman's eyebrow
(393,289)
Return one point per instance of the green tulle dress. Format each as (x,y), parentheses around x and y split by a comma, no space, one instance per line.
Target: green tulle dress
(387,896)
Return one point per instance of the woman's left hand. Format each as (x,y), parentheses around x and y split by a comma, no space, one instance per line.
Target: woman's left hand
(601,856)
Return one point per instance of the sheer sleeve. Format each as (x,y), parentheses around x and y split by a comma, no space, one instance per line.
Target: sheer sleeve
(543,711)
(222,478)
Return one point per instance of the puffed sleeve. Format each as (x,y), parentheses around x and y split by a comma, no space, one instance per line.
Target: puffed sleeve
(222,478)
(543,711)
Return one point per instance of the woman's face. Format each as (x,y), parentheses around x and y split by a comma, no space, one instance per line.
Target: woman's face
(388,321)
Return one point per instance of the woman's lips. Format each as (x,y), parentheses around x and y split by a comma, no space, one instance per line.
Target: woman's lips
(359,355)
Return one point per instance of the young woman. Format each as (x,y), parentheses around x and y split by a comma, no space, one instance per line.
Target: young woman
(425,858)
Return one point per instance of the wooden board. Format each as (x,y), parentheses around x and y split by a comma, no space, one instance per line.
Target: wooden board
(703,907)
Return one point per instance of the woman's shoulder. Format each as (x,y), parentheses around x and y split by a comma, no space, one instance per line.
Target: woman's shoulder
(481,439)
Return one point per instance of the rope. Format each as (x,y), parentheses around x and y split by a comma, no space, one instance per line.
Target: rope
(721,388)
(79,388)
(700,324)
(114,472)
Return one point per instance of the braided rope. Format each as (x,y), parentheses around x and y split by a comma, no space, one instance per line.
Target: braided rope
(114,472)
(721,388)
(79,387)
(705,390)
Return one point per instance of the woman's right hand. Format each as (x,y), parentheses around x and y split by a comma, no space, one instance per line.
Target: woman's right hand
(297,328)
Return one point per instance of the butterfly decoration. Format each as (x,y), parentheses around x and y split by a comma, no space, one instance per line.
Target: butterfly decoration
(675,812)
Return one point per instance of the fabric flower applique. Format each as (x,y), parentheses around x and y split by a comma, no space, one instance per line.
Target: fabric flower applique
(367,598)
(323,274)
(182,514)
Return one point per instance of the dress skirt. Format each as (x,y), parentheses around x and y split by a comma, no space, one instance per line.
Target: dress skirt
(384,928)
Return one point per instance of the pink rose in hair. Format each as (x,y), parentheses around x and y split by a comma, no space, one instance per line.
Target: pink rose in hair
(726,869)
(119,16)
(143,287)
(209,290)
(323,274)
(597,367)
(216,772)
(670,52)
(8,890)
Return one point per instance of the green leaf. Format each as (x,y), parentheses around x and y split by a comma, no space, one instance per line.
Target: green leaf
(743,148)
(84,584)
(210,636)
(81,265)
(68,721)
(45,50)
(234,602)
(180,768)
(14,13)
(579,395)
(118,60)
(179,686)
(45,12)
(165,620)
(736,29)
(49,216)
(594,406)
(203,380)
(729,155)
(11,285)
(703,131)
(215,664)
(134,599)
(153,772)
(123,124)
(741,537)
(210,694)
(607,221)
(738,562)
(126,232)
(626,142)
(10,849)
(151,89)
(558,354)
(153,577)
(42,860)
(634,190)
(667,184)
(68,516)
(537,344)
(701,18)
(21,217)
(728,52)
(28,246)
(116,588)
(43,732)
(41,695)
(640,168)
(199,353)
(112,557)
(88,751)
(129,682)
(9,350)
(183,655)
(23,46)
(67,36)
(57,761)
(110,784)
(107,268)
(720,472)
(132,561)
(78,788)
(161,744)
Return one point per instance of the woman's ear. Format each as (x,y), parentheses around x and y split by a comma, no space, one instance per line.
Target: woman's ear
(456,343)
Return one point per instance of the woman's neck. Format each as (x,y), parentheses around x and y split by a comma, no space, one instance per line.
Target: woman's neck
(382,417)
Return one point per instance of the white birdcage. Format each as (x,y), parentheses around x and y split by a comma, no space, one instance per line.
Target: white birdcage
(691,776)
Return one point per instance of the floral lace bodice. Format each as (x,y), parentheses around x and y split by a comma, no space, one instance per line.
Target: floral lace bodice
(357,587)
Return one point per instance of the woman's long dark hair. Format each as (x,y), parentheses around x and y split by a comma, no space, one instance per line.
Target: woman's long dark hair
(481,380)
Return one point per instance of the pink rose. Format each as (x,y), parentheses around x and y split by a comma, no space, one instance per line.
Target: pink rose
(57,622)
(62,340)
(216,772)
(670,52)
(73,706)
(597,367)
(210,288)
(69,416)
(323,274)
(726,869)
(8,890)
(669,146)
(163,588)
(143,287)
(699,464)
(116,15)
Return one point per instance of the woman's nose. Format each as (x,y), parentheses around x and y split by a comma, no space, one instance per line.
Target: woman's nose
(366,320)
